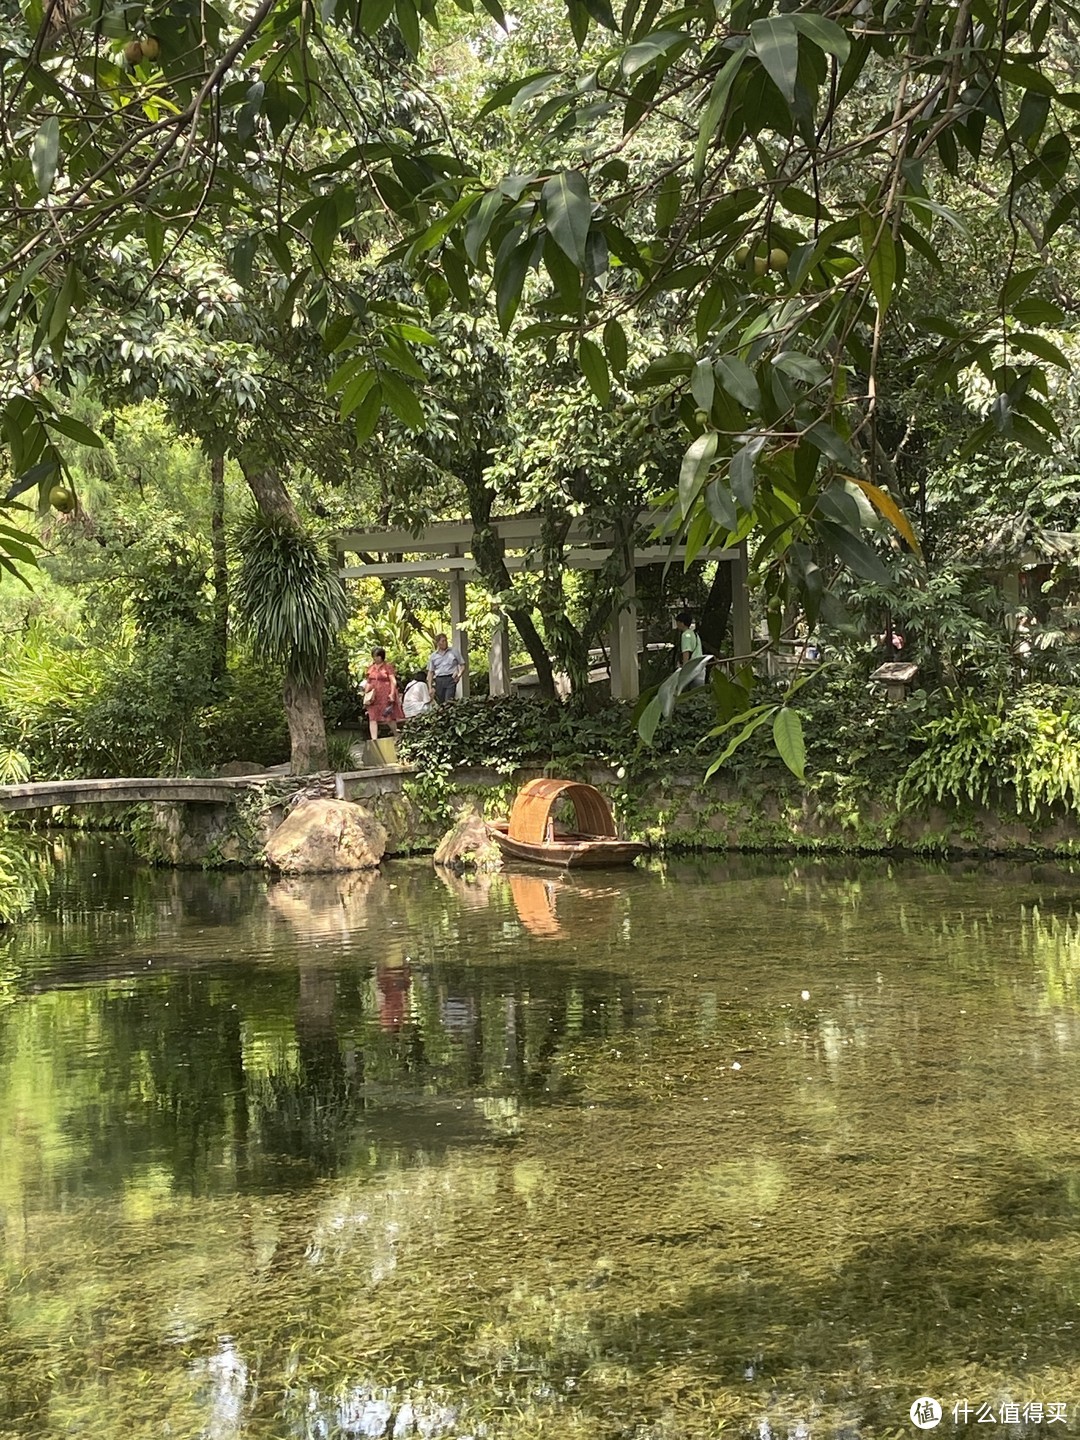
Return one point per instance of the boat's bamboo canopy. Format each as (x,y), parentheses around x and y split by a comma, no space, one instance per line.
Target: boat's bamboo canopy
(536,798)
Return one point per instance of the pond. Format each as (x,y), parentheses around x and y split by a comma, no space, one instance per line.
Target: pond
(771,1146)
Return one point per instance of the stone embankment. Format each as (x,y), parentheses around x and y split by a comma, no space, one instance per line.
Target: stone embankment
(679,812)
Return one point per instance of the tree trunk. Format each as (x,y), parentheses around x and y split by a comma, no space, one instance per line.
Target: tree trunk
(303,701)
(716,612)
(307,725)
(219,652)
(487,551)
(268,489)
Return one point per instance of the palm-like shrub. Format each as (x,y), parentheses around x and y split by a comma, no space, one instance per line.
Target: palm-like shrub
(291,604)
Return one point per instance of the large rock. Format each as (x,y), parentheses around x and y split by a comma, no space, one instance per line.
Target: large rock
(325,835)
(468,846)
(240,767)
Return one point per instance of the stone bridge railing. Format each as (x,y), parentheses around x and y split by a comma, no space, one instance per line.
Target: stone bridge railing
(178,790)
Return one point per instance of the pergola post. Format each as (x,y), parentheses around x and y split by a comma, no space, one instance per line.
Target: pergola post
(623,639)
(742,640)
(459,635)
(499,660)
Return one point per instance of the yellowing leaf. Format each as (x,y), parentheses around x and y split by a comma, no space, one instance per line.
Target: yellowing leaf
(887,506)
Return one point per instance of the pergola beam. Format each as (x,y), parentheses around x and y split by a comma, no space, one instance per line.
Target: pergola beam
(440,550)
(580,559)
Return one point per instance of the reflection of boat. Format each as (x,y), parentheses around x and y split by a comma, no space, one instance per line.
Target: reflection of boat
(550,905)
(534,901)
(531,832)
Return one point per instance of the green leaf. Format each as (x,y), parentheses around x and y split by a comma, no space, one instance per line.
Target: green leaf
(801,367)
(601,12)
(721,505)
(367,414)
(333,212)
(1036,311)
(45,155)
(594,368)
(453,267)
(567,209)
(755,718)
(879,251)
(615,346)
(831,444)
(578,16)
(61,309)
(480,223)
(695,467)
(374,15)
(738,380)
(1034,111)
(741,474)
(1038,345)
(856,554)
(667,203)
(825,34)
(703,384)
(715,107)
(354,394)
(776,44)
(75,430)
(800,203)
(511,265)
(505,93)
(646,52)
(154,232)
(788,734)
(402,401)
(408,23)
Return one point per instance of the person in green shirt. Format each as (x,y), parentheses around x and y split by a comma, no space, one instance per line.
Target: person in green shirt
(689,642)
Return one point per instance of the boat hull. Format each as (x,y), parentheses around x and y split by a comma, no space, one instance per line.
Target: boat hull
(569,852)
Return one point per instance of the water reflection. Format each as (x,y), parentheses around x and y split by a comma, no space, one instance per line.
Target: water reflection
(720,1144)
(562,904)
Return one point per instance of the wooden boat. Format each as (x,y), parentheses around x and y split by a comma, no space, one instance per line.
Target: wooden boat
(531,833)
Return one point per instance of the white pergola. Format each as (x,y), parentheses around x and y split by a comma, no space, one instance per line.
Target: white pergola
(443,549)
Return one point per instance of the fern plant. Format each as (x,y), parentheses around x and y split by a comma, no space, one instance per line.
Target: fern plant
(1025,751)
(960,758)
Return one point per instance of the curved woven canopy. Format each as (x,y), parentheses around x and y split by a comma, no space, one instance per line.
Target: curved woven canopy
(536,799)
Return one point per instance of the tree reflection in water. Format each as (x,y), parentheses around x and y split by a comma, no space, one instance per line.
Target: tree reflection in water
(315,1158)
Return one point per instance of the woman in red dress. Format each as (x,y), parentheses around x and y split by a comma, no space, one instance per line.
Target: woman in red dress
(382,701)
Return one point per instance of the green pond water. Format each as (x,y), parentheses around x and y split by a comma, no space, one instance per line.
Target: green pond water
(762,1147)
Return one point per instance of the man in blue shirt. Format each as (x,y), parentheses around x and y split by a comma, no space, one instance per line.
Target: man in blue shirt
(444,670)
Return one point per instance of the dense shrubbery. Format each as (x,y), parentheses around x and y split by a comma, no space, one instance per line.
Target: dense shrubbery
(507,733)
(154,710)
(1021,751)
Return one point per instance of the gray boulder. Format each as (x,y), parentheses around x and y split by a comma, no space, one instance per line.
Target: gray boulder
(326,835)
(468,846)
